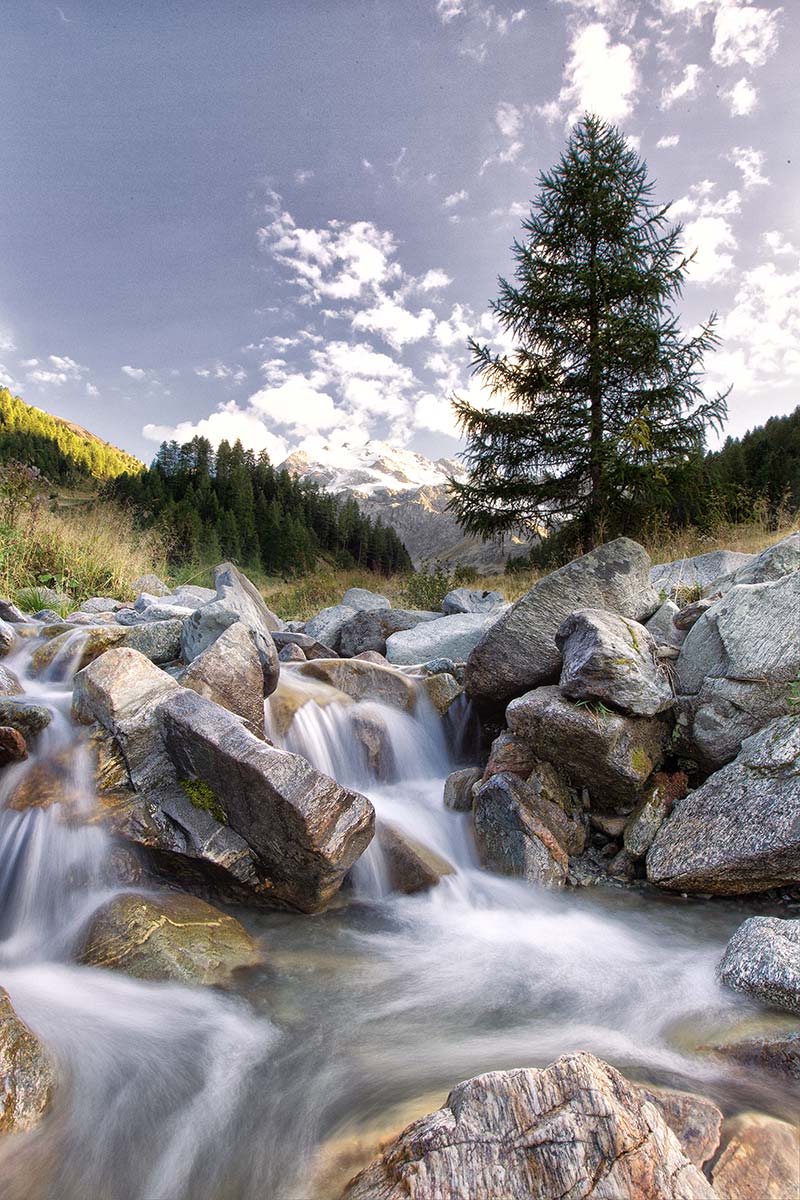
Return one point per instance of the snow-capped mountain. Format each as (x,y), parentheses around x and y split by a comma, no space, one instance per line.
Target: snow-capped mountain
(408,492)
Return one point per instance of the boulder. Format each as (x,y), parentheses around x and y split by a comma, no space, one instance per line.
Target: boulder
(441,690)
(651,812)
(229,673)
(735,671)
(327,625)
(9,683)
(662,628)
(101,604)
(519,651)
(26,1073)
(150,583)
(236,600)
(762,959)
(773,1054)
(448,637)
(305,829)
(7,637)
(13,747)
(760,1159)
(73,650)
(739,832)
(371,629)
(512,754)
(458,788)
(690,614)
(469,600)
(410,866)
(575,1129)
(310,646)
(773,563)
(191,595)
(372,656)
(9,612)
(29,719)
(291,653)
(512,836)
(170,936)
(363,600)
(610,754)
(690,574)
(612,659)
(158,611)
(695,1120)
(363,681)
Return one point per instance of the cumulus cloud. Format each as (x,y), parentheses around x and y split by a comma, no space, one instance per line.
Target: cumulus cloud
(744,33)
(137,373)
(455,198)
(667,142)
(599,77)
(220,370)
(702,200)
(750,162)
(57,370)
(395,323)
(6,378)
(508,119)
(227,422)
(711,239)
(6,340)
(686,86)
(741,98)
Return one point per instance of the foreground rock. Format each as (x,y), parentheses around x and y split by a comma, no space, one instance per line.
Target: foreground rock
(229,672)
(26,1074)
(168,937)
(370,629)
(762,959)
(739,833)
(458,789)
(773,563)
(410,867)
(236,600)
(519,651)
(363,680)
(29,719)
(519,832)
(448,637)
(576,1129)
(760,1159)
(611,659)
(695,1120)
(610,754)
(13,747)
(736,668)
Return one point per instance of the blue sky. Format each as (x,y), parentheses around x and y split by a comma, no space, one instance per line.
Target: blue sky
(281,220)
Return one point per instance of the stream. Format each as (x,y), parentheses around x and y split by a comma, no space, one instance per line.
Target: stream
(360,1019)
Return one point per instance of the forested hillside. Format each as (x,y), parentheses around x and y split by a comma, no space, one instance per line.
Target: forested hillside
(65,454)
(764,463)
(234,504)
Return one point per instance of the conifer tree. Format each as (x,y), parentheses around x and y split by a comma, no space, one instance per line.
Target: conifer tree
(602,393)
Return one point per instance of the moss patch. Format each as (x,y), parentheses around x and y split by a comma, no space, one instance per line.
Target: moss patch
(641,762)
(204,797)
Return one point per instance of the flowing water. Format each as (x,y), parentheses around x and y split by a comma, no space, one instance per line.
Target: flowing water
(360,1019)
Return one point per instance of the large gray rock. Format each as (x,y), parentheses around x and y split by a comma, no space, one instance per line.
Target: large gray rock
(688,574)
(458,788)
(369,630)
(773,563)
(470,600)
(448,637)
(236,600)
(519,651)
(229,673)
(762,959)
(576,1129)
(740,832)
(735,671)
(410,866)
(610,754)
(612,659)
(327,625)
(100,604)
(363,600)
(515,833)
(662,628)
(306,830)
(27,1077)
(151,584)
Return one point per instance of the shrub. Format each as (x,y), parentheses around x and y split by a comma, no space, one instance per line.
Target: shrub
(427,589)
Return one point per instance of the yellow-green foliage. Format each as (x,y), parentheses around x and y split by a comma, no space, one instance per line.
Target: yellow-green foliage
(202,796)
(641,762)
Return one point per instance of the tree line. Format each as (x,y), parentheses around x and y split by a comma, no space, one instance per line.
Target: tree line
(234,504)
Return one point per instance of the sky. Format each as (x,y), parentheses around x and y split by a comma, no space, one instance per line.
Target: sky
(281,219)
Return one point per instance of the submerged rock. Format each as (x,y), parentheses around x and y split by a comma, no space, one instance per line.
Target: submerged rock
(170,936)
(612,659)
(363,680)
(26,1073)
(441,689)
(410,866)
(29,719)
(760,1159)
(762,959)
(576,1129)
(13,747)
(519,651)
(695,1120)
(773,1054)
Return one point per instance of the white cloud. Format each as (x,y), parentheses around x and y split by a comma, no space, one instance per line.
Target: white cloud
(455,198)
(750,162)
(6,380)
(448,10)
(455,329)
(302,176)
(297,404)
(481,21)
(436,413)
(59,369)
(711,238)
(667,142)
(229,422)
(702,201)
(395,323)
(744,33)
(7,345)
(237,375)
(137,373)
(432,281)
(91,390)
(30,362)
(741,98)
(775,241)
(686,86)
(599,77)
(508,119)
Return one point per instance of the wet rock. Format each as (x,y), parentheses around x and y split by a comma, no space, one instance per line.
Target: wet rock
(651,812)
(514,836)
(609,658)
(773,563)
(771,1054)
(662,629)
(151,584)
(327,625)
(519,651)
(26,1073)
(441,690)
(363,681)
(687,574)
(690,614)
(575,1129)
(13,747)
(7,637)
(735,671)
(87,646)
(46,781)
(370,730)
(309,645)
(760,1159)
(229,672)
(411,866)
(458,788)
(738,833)
(695,1120)
(29,719)
(363,600)
(290,696)
(468,600)
(9,683)
(450,637)
(291,653)
(305,829)
(170,936)
(610,754)
(9,612)
(236,600)
(511,754)
(762,959)
(373,656)
(370,630)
